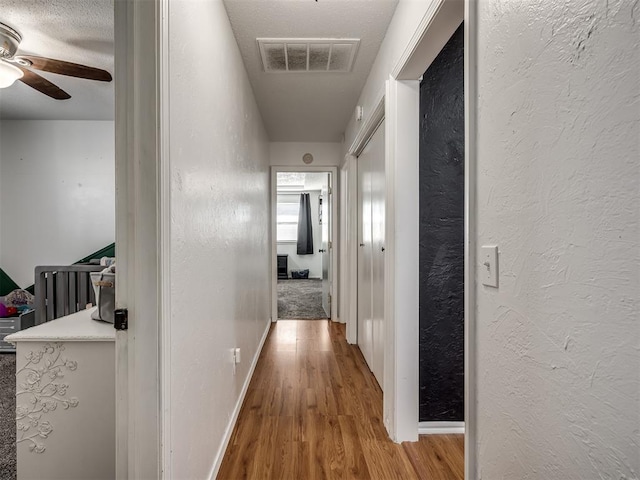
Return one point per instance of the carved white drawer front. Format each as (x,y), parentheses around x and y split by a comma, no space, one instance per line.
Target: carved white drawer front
(65,399)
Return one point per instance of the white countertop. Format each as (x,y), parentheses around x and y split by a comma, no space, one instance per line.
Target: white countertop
(77,327)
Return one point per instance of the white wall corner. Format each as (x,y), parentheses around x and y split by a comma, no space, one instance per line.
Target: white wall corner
(401,381)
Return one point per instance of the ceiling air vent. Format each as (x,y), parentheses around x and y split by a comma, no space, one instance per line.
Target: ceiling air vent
(313,55)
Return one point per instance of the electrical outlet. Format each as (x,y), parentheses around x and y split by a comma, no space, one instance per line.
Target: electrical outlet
(237,355)
(232,359)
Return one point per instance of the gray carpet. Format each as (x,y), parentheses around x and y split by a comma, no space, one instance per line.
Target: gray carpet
(300,299)
(7,416)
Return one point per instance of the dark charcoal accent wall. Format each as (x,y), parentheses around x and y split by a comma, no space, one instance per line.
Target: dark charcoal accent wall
(442,235)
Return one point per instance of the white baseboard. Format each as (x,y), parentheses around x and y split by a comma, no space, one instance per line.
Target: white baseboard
(236,410)
(440,428)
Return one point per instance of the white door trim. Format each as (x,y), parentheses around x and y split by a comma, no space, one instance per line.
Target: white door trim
(349,268)
(141,231)
(402,292)
(427,41)
(335,234)
(470,238)
(122,29)
(438,24)
(343,274)
(164,230)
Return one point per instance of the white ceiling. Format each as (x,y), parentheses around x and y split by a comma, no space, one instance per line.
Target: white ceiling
(295,107)
(79,31)
(308,107)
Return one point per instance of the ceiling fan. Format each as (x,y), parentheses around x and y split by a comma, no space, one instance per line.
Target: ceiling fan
(20,67)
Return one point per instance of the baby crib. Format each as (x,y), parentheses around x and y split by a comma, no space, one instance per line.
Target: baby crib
(63,289)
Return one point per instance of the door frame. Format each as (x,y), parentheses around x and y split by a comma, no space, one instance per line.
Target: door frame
(400,108)
(440,21)
(143,188)
(349,248)
(335,234)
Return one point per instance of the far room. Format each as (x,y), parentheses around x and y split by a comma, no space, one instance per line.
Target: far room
(57,213)
(303,220)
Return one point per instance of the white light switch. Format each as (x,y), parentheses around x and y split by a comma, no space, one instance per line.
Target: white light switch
(489,265)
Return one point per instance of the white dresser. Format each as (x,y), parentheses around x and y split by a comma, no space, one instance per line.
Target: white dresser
(65,399)
(9,325)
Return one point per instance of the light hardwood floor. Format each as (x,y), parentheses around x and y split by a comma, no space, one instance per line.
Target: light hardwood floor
(313,411)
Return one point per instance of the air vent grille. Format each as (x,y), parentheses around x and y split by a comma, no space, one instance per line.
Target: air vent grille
(313,55)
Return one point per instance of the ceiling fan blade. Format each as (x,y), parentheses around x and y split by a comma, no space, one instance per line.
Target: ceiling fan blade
(67,68)
(43,85)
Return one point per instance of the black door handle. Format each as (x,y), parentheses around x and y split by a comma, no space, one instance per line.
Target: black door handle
(362,244)
(321,251)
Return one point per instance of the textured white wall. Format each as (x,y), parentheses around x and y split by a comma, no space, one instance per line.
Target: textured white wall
(220,250)
(312,262)
(290,153)
(558,364)
(405,20)
(57,193)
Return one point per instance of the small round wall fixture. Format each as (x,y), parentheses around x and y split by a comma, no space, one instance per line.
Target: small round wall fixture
(307,158)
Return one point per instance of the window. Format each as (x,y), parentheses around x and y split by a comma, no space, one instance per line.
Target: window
(287,217)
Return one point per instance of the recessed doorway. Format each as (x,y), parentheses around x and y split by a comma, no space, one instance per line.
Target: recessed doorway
(303,245)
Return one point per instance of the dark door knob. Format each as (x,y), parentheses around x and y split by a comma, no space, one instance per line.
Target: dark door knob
(362,244)
(321,251)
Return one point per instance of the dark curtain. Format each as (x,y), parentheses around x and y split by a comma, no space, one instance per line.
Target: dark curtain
(305,233)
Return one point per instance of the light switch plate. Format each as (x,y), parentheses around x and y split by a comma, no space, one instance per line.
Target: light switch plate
(489,265)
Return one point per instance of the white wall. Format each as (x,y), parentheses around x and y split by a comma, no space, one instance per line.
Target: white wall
(290,153)
(405,20)
(57,193)
(311,262)
(558,191)
(220,240)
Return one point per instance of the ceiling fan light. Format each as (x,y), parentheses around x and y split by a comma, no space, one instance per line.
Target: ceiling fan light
(9,74)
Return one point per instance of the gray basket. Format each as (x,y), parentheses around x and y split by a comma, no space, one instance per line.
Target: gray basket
(104,285)
(300,273)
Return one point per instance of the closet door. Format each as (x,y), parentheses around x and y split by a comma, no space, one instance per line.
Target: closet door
(365,326)
(377,251)
(370,254)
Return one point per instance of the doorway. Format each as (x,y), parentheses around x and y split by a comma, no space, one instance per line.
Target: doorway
(398,105)
(442,262)
(302,237)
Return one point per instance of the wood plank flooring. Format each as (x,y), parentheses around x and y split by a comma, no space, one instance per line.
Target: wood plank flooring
(313,410)
(437,457)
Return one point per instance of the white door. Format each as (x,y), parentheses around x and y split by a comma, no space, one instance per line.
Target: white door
(365,325)
(142,221)
(370,253)
(326,249)
(377,251)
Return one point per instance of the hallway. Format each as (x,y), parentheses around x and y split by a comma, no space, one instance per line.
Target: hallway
(313,411)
